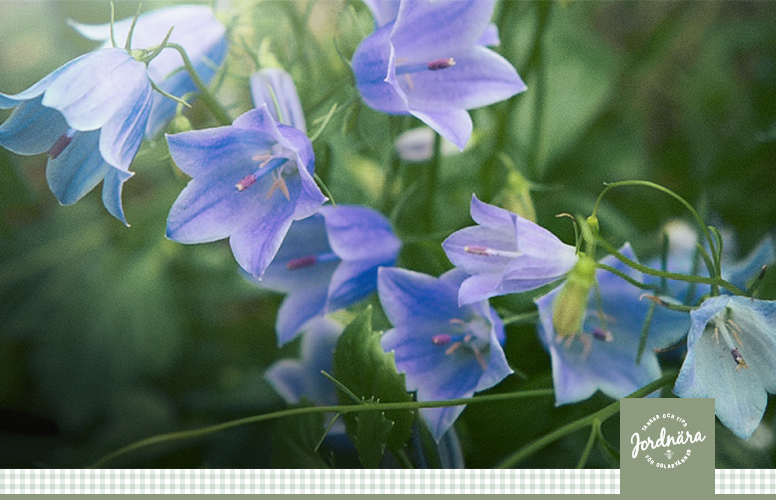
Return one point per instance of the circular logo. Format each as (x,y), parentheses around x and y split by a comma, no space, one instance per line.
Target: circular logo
(665,441)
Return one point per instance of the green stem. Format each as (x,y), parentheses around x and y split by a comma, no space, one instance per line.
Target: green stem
(411,405)
(673,276)
(695,214)
(624,276)
(601,415)
(594,431)
(207,98)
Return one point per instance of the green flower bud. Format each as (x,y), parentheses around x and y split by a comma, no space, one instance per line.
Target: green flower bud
(179,124)
(570,305)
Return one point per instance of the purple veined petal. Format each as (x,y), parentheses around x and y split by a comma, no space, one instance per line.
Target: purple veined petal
(32,128)
(412,296)
(489,37)
(351,282)
(255,244)
(360,233)
(474,237)
(384,11)
(479,77)
(459,24)
(120,138)
(89,92)
(211,208)
(78,169)
(373,64)
(491,216)
(112,185)
(298,263)
(455,125)
(275,88)
(198,152)
(479,287)
(299,307)
(542,268)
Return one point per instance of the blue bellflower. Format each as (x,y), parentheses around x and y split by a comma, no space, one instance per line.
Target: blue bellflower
(295,378)
(195,28)
(429,61)
(602,356)
(90,115)
(250,180)
(275,88)
(447,351)
(328,262)
(731,357)
(505,253)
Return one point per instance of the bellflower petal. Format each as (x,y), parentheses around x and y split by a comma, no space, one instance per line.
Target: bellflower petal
(384,11)
(89,115)
(195,28)
(731,357)
(293,379)
(430,62)
(250,181)
(446,351)
(602,356)
(505,254)
(275,88)
(319,268)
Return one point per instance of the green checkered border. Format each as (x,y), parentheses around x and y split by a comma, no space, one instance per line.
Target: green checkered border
(343,481)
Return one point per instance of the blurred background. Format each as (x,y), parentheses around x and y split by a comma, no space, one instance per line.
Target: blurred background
(110,334)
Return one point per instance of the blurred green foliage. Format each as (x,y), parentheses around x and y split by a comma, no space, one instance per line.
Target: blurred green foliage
(111,334)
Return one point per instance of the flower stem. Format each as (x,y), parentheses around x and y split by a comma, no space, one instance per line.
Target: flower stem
(410,405)
(208,99)
(601,416)
(673,276)
(707,234)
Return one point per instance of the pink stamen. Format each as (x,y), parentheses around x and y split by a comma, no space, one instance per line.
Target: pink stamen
(438,64)
(59,146)
(246,182)
(301,262)
(441,339)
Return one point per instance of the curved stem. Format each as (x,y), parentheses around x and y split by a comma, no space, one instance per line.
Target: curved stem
(674,276)
(601,415)
(411,405)
(218,112)
(695,214)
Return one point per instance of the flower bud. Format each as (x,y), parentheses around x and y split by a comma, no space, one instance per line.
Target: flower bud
(570,306)
(179,124)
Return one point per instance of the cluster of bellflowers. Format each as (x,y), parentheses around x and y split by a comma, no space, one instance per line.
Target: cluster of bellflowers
(252,180)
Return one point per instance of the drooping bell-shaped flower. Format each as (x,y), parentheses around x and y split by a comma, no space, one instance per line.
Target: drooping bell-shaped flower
(430,61)
(447,351)
(90,115)
(505,253)
(297,378)
(195,28)
(328,262)
(731,357)
(250,181)
(602,354)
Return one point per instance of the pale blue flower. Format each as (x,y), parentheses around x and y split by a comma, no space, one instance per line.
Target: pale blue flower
(430,62)
(731,357)
(447,351)
(275,88)
(195,28)
(90,115)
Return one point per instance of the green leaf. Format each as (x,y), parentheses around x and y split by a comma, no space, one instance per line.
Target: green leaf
(295,440)
(372,431)
(370,373)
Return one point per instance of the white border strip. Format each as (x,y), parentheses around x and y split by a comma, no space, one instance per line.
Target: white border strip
(345,481)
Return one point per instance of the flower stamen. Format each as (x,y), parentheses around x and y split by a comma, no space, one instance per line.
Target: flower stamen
(740,363)
(311,260)
(61,143)
(491,252)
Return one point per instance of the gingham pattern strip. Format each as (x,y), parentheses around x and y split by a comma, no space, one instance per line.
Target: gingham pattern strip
(343,481)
